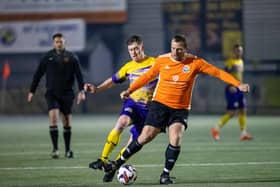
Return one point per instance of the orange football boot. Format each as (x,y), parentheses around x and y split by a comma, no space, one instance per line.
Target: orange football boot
(215,134)
(246,136)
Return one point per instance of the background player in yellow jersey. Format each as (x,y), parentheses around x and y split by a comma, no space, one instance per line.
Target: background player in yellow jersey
(135,108)
(236,100)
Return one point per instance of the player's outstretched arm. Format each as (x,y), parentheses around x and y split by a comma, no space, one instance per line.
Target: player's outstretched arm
(108,83)
(244,87)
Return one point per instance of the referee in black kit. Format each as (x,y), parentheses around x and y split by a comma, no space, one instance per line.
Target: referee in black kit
(61,67)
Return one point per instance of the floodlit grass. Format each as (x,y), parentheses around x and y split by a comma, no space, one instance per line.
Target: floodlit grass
(25,154)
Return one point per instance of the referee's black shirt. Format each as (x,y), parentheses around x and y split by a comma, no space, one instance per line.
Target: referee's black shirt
(61,70)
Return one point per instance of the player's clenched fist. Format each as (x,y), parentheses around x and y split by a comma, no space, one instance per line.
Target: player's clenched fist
(125,94)
(89,88)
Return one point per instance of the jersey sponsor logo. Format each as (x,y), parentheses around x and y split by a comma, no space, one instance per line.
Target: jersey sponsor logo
(175,78)
(186,69)
(50,59)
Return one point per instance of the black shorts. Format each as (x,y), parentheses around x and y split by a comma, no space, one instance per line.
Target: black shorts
(64,103)
(162,116)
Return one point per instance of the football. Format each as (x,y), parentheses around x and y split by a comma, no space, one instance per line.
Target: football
(126,174)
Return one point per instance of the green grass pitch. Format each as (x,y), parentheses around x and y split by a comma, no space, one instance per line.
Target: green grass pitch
(25,154)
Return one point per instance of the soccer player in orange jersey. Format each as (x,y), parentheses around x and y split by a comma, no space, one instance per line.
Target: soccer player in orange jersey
(236,100)
(171,101)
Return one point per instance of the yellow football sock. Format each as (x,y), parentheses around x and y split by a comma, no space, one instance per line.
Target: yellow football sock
(112,140)
(242,121)
(223,120)
(121,152)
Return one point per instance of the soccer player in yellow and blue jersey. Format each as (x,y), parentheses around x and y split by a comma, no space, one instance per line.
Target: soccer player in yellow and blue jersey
(135,108)
(236,100)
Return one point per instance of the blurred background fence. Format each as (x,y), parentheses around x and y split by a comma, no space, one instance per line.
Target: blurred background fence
(97,30)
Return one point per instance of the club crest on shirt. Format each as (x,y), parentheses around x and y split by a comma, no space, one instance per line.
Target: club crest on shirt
(166,67)
(186,69)
(66,59)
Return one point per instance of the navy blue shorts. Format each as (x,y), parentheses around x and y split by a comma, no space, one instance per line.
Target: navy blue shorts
(63,103)
(162,116)
(137,113)
(235,100)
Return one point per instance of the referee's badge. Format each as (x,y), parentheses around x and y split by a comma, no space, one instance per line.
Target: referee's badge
(66,59)
(186,69)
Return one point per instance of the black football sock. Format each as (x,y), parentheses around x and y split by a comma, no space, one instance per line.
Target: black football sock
(131,149)
(67,137)
(54,137)
(171,155)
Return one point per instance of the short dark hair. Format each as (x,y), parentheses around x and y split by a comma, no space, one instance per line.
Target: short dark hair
(134,38)
(236,46)
(180,38)
(59,35)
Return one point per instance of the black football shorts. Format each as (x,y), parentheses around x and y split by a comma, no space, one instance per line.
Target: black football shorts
(162,116)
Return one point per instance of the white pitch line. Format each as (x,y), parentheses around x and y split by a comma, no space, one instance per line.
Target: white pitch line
(213,164)
(152,150)
(147,165)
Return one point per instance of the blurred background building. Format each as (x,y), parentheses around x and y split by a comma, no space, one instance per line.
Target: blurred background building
(97,31)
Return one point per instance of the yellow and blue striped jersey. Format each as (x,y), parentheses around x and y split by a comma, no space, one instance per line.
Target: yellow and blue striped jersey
(235,67)
(131,71)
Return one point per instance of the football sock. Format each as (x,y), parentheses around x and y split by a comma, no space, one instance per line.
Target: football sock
(171,155)
(131,149)
(165,172)
(242,121)
(67,137)
(120,153)
(223,120)
(112,140)
(54,136)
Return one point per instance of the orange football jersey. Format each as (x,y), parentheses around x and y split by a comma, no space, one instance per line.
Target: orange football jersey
(176,79)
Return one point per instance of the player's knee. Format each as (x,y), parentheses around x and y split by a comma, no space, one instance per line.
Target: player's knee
(122,123)
(53,122)
(231,113)
(120,127)
(144,139)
